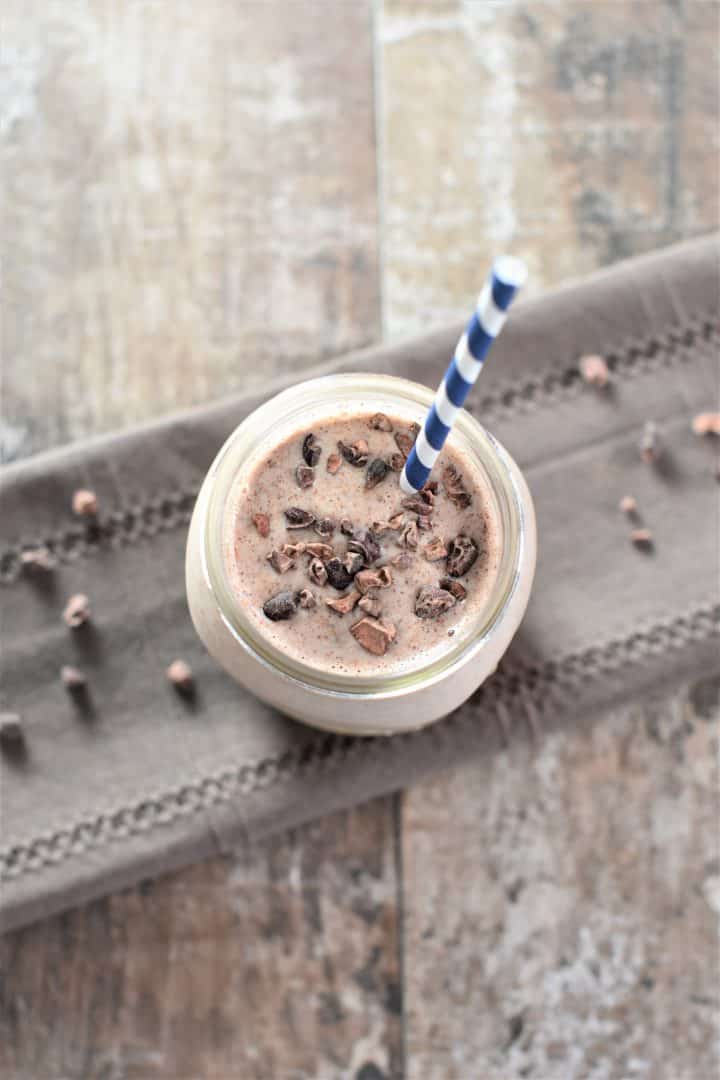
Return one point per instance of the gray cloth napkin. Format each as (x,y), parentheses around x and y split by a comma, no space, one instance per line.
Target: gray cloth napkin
(134,780)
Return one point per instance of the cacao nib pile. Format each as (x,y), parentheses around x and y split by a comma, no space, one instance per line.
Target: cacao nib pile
(350,565)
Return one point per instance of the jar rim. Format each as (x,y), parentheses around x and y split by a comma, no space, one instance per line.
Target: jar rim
(393,393)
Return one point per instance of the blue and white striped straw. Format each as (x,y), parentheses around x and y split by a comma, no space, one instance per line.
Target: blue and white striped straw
(507,276)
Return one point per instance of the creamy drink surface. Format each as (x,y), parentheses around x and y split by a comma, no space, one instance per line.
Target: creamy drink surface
(318,635)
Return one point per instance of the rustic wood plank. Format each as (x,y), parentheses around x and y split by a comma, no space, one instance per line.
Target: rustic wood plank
(561,902)
(281,962)
(571,133)
(190,204)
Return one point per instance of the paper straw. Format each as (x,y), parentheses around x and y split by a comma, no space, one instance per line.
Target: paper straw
(506,277)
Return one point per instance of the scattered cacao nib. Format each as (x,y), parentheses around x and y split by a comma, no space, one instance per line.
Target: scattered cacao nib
(396,462)
(295,518)
(417,505)
(353,562)
(317,572)
(380,422)
(337,574)
(344,604)
(356,453)
(305,476)
(370,605)
(454,488)
(402,561)
(385,575)
(462,553)
(425,524)
(333,463)
(346,527)
(431,602)
(306,599)
(364,542)
(373,579)
(374,635)
(261,523)
(319,551)
(393,524)
(325,527)
(294,551)
(180,675)
(457,589)
(72,677)
(85,503)
(376,473)
(11,730)
(642,538)
(77,611)
(628,505)
(650,443)
(707,423)
(435,550)
(40,558)
(281,563)
(280,606)
(594,370)
(311,450)
(404,442)
(409,536)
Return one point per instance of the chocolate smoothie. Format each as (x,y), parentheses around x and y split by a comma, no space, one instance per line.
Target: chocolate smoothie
(341,571)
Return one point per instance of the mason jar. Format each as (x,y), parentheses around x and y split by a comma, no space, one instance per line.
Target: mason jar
(356,703)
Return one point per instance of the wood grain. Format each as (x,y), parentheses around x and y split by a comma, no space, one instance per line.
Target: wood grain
(190,204)
(571,133)
(279,963)
(575,940)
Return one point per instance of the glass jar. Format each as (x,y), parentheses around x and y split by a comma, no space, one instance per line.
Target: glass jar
(357,704)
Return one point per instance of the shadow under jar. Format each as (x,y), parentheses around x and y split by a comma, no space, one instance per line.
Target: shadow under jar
(311,666)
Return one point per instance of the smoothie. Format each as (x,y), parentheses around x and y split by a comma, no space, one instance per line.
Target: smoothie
(341,571)
(331,595)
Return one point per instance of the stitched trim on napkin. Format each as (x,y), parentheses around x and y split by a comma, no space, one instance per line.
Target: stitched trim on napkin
(532,689)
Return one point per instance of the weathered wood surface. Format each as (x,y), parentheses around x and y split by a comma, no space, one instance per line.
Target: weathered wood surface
(280,963)
(562,899)
(190,205)
(192,186)
(572,133)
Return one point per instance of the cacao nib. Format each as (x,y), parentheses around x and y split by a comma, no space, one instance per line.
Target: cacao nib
(462,553)
(337,574)
(370,605)
(280,606)
(409,536)
(431,602)
(305,476)
(356,453)
(295,518)
(317,572)
(306,599)
(280,562)
(346,527)
(262,524)
(353,562)
(333,463)
(311,450)
(376,473)
(435,550)
(417,505)
(365,543)
(344,604)
(397,462)
(374,635)
(380,422)
(457,589)
(325,527)
(319,551)
(454,488)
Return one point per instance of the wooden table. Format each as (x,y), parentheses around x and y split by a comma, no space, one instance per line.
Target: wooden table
(201,194)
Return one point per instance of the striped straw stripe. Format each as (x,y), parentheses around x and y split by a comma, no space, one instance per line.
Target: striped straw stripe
(488,319)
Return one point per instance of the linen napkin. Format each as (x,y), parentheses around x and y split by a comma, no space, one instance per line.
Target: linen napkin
(134,780)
